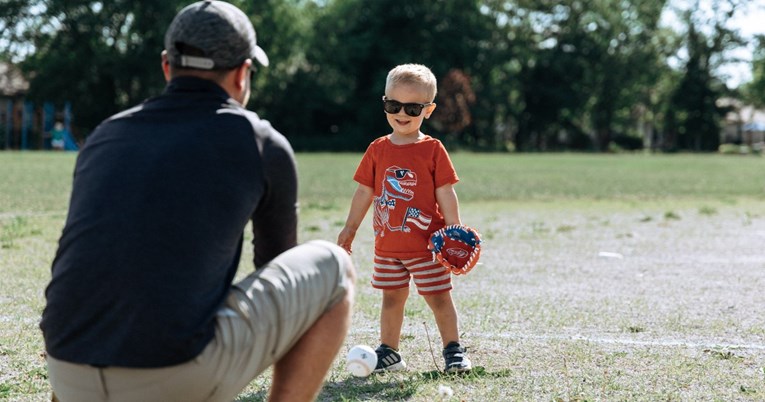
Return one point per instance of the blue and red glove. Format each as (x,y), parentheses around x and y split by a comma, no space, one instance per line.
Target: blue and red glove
(456,247)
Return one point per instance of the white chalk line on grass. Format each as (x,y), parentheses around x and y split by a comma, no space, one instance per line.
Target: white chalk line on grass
(705,344)
(708,344)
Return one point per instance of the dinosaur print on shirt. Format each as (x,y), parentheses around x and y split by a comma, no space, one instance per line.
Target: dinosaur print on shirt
(397,192)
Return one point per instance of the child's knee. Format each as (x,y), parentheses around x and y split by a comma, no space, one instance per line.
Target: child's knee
(395,297)
(439,300)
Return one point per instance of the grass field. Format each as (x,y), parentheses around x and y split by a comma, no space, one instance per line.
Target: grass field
(674,313)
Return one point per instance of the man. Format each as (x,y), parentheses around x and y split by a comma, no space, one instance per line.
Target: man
(141,305)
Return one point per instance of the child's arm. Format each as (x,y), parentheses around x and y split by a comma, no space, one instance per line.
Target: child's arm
(447,201)
(362,199)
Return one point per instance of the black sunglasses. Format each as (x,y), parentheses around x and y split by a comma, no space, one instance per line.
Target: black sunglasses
(411,109)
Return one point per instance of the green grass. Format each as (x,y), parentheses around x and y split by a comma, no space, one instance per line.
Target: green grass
(608,177)
(545,318)
(563,177)
(38,181)
(35,181)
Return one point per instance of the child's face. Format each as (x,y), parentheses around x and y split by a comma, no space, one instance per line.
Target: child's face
(402,123)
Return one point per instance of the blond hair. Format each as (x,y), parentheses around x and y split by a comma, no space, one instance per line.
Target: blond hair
(412,74)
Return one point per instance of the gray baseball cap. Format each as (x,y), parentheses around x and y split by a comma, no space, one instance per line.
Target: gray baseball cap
(212,35)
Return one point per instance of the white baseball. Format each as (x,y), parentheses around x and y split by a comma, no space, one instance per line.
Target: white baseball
(361,360)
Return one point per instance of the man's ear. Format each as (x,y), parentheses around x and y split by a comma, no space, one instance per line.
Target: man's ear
(165,66)
(242,75)
(429,110)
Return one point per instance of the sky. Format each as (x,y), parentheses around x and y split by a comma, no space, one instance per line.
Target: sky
(749,20)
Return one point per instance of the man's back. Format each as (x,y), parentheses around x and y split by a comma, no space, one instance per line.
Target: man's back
(161,195)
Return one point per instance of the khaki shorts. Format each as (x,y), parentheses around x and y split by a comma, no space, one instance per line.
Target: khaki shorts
(264,316)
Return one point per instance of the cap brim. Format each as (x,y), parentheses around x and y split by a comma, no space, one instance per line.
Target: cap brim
(260,56)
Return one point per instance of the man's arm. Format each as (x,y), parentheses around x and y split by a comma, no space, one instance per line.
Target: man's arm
(360,203)
(274,223)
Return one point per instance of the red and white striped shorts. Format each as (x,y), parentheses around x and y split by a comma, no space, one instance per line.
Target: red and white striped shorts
(430,277)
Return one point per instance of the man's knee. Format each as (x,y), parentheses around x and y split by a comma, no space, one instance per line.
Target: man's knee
(348,270)
(345,264)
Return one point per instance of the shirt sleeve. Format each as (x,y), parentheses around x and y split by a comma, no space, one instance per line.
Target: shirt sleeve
(365,173)
(274,223)
(445,172)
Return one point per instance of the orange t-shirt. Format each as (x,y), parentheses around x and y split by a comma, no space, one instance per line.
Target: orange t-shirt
(404,179)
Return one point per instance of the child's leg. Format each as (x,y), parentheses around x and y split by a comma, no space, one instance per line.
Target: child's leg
(445,314)
(392,316)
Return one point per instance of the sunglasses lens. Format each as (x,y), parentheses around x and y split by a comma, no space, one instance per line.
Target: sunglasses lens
(391,107)
(413,109)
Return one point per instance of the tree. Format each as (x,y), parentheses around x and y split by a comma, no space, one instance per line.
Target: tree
(624,58)
(102,56)
(455,97)
(355,43)
(16,21)
(105,56)
(583,68)
(283,30)
(755,90)
(513,74)
(693,117)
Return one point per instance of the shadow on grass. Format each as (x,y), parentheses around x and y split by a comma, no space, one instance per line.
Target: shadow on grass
(477,373)
(388,386)
(253,397)
(396,386)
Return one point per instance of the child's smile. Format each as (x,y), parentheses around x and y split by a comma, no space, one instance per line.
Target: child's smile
(402,122)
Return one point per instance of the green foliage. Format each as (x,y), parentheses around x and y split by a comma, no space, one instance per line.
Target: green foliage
(103,57)
(737,149)
(755,90)
(540,75)
(17,22)
(693,116)
(628,142)
(595,61)
(353,47)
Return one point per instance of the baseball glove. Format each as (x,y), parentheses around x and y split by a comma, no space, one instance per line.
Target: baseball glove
(456,247)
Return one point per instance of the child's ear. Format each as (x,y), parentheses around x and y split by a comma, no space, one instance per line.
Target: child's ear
(429,110)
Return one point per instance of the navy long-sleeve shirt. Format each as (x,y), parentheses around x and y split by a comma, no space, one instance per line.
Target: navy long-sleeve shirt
(162,193)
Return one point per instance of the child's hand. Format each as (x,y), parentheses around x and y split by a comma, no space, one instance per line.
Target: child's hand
(345,239)
(360,203)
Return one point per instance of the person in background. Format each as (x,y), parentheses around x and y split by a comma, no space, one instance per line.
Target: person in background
(57,136)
